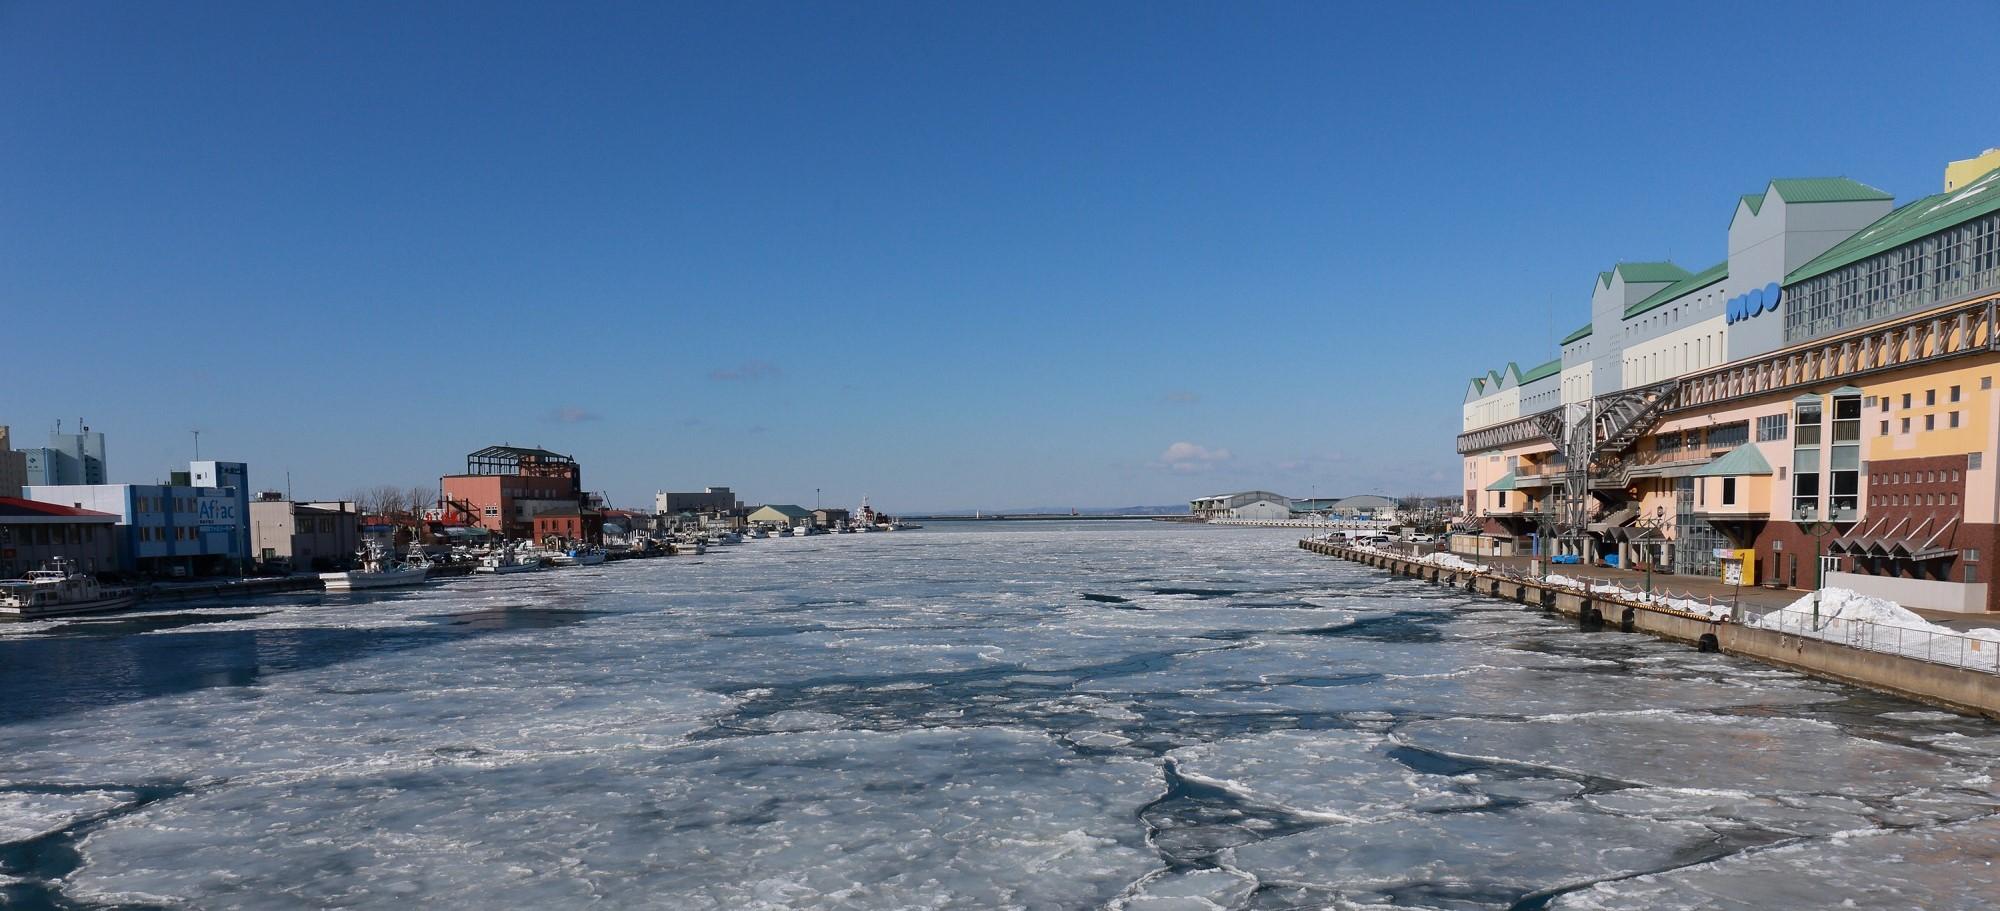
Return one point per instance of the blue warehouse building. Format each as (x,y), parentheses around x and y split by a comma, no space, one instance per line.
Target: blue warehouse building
(197,525)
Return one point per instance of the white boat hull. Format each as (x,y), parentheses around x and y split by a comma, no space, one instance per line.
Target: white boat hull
(507,570)
(69,607)
(356,581)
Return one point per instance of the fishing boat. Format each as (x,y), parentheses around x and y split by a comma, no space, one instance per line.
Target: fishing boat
(579,556)
(60,589)
(506,561)
(379,569)
(687,547)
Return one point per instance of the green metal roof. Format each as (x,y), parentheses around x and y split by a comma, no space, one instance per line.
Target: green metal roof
(1755,201)
(1578,335)
(1826,189)
(1643,273)
(1692,283)
(1506,482)
(1494,379)
(1739,462)
(1546,370)
(1916,220)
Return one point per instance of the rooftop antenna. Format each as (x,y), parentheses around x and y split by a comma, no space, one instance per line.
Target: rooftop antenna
(197,444)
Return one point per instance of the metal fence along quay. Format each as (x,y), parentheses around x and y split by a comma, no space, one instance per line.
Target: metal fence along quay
(1976,651)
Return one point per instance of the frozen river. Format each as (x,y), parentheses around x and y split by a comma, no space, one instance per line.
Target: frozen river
(1070,715)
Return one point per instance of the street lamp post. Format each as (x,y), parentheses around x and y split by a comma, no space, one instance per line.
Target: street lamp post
(1818,529)
(1650,560)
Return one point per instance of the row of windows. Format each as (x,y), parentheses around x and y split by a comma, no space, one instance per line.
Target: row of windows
(49,534)
(1946,266)
(1917,477)
(1721,436)
(1673,316)
(1913,499)
(1930,423)
(1930,396)
(1674,360)
(165,504)
(1729,436)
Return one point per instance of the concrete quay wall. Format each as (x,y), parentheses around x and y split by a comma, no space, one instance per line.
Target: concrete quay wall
(1321,524)
(1942,685)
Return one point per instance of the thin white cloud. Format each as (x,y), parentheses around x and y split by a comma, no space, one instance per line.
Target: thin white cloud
(573,414)
(1187,458)
(746,372)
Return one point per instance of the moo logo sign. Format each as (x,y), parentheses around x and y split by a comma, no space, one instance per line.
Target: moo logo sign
(1755,303)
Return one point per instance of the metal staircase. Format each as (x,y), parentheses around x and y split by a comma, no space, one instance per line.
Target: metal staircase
(1594,438)
(1623,417)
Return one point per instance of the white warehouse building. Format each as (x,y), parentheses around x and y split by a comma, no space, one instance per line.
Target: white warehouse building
(1249,504)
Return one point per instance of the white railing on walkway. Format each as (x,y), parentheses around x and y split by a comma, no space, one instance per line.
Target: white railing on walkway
(1978,651)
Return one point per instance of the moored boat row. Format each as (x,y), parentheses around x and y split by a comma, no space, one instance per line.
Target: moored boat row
(60,589)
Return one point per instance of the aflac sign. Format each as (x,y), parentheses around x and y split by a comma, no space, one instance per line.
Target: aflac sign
(1753,303)
(217,512)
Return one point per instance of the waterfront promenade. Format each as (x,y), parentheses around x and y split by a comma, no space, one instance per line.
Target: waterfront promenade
(1940,667)
(1755,598)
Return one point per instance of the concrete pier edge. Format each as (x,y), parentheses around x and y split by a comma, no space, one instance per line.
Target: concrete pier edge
(1955,688)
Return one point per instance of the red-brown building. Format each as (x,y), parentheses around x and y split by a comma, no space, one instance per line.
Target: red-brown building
(573,524)
(504,489)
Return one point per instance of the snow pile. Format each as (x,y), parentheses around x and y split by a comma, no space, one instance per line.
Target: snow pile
(1881,625)
(1451,561)
(1685,605)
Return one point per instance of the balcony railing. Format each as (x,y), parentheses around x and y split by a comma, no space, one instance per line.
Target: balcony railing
(1953,332)
(1519,430)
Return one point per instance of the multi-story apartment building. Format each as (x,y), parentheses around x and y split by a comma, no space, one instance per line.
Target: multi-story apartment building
(1825,390)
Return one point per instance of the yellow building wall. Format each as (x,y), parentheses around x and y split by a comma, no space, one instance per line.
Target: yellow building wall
(1978,422)
(1960,173)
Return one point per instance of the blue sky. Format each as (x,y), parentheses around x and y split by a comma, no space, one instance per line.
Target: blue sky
(942,255)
